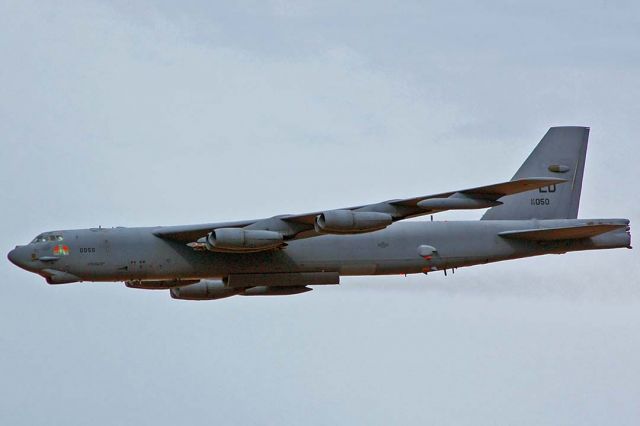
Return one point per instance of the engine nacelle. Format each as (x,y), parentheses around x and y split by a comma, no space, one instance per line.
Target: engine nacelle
(204,290)
(350,222)
(242,240)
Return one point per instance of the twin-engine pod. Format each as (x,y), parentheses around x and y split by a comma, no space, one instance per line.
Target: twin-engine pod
(204,290)
(217,289)
(457,202)
(350,222)
(237,240)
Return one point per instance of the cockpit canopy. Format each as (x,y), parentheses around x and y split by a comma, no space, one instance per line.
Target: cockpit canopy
(43,238)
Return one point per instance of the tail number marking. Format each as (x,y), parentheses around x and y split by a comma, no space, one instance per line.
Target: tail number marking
(540,202)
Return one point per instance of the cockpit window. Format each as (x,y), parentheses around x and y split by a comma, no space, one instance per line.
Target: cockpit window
(42,238)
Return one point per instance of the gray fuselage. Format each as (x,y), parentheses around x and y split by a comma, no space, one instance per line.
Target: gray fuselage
(123,254)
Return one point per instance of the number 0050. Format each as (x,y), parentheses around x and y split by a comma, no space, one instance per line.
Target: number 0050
(540,202)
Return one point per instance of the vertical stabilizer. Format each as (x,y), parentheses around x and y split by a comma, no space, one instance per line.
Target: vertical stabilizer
(560,154)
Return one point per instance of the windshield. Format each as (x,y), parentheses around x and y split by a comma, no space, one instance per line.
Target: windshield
(46,237)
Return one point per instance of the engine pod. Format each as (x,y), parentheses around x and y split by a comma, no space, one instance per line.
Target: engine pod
(243,240)
(456,203)
(204,290)
(350,222)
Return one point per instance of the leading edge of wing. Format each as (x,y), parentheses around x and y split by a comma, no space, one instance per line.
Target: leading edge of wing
(398,209)
(471,198)
(189,233)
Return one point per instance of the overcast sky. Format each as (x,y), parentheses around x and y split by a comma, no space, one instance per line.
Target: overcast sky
(169,112)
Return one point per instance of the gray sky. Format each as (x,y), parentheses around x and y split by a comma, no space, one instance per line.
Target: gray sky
(159,113)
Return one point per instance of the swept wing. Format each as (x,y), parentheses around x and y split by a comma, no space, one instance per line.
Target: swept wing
(364,218)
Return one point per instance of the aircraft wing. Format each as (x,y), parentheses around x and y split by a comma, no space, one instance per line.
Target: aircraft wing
(472,198)
(358,219)
(188,233)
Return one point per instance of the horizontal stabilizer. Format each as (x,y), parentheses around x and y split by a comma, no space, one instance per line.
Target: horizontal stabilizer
(564,233)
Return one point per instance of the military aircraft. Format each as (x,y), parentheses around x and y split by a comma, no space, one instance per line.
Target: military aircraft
(534,213)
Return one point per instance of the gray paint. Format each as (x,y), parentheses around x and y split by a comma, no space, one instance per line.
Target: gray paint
(137,254)
(309,256)
(560,154)
(138,113)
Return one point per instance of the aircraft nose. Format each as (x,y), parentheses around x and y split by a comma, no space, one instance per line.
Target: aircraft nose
(12,257)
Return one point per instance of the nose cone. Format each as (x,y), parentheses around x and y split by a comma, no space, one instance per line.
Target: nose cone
(12,256)
(16,256)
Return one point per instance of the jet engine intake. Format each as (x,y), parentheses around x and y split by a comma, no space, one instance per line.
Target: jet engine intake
(350,222)
(242,240)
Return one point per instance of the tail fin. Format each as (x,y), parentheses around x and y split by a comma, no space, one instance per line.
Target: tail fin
(560,154)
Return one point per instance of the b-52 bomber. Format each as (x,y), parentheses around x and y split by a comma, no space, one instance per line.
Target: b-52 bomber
(534,213)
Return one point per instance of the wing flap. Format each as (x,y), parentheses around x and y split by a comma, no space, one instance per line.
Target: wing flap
(563,233)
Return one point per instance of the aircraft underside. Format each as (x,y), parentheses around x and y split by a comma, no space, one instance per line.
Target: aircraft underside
(534,213)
